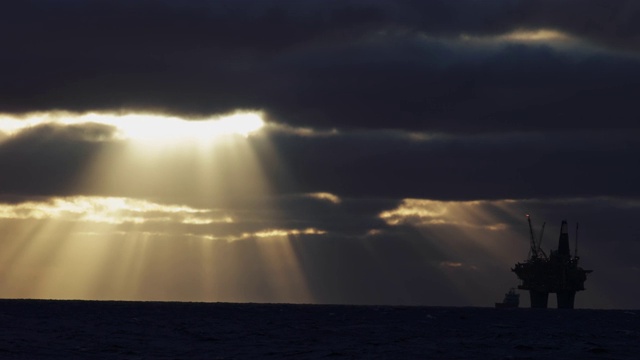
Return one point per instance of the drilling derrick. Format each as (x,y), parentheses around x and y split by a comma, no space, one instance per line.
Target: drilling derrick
(558,273)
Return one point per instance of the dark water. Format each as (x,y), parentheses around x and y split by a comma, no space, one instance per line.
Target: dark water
(38,329)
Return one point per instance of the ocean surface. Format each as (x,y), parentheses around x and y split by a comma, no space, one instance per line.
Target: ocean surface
(64,329)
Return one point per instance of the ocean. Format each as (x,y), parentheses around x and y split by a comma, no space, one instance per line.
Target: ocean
(73,329)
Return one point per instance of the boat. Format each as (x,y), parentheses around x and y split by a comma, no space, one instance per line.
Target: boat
(511,300)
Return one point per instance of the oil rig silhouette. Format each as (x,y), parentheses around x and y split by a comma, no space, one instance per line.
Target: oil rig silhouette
(557,273)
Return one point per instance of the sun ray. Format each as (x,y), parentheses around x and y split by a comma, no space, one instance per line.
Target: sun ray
(286,277)
(474,238)
(131,246)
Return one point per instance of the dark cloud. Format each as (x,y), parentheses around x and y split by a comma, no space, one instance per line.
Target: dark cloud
(470,167)
(364,165)
(49,159)
(431,86)
(335,64)
(611,24)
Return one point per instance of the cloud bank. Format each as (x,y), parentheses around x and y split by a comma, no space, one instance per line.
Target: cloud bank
(380,64)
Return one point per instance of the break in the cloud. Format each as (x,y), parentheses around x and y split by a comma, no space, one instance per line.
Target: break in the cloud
(151,218)
(420,212)
(326,197)
(137,126)
(111,210)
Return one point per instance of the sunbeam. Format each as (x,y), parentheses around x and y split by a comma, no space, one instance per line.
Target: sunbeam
(476,238)
(127,245)
(199,242)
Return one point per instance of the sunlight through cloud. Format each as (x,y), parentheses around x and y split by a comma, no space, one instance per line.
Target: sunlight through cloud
(111,210)
(463,214)
(325,196)
(536,35)
(417,210)
(287,232)
(451,264)
(145,127)
(523,36)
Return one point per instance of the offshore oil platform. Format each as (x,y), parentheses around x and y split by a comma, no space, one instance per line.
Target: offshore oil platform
(557,273)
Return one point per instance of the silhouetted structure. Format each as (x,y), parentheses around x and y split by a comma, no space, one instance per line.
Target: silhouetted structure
(557,273)
(511,300)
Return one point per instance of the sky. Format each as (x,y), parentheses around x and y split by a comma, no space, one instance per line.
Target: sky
(343,152)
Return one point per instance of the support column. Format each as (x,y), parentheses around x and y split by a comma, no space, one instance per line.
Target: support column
(539,299)
(566,299)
